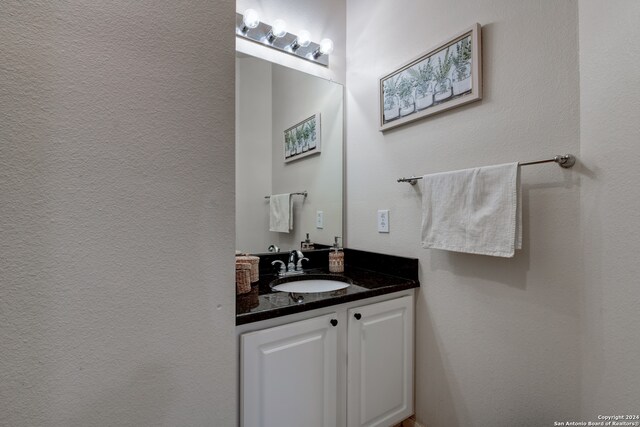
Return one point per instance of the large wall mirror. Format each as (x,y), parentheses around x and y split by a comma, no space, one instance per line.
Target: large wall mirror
(271,99)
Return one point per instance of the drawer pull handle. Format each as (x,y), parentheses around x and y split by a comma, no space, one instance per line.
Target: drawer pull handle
(334,322)
(358,316)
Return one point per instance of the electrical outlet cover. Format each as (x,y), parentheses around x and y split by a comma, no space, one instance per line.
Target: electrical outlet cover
(319,219)
(383,221)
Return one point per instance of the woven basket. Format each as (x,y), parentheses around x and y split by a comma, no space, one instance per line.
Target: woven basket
(248,301)
(243,277)
(253,261)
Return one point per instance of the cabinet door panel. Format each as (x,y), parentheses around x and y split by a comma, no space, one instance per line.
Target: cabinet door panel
(289,375)
(380,364)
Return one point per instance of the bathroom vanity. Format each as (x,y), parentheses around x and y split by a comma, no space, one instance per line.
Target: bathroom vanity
(342,358)
(338,358)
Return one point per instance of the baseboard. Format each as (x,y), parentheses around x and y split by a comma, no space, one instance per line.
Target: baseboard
(410,422)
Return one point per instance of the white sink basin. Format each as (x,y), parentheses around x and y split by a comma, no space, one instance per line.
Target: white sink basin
(311,286)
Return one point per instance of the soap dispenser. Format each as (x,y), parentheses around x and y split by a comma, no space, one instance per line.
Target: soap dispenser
(306,244)
(336,258)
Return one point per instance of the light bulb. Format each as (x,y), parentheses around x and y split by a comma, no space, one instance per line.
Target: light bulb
(251,19)
(279,28)
(304,38)
(326,46)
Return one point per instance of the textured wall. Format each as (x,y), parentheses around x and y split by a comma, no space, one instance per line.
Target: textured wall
(116,214)
(321,18)
(610,205)
(497,339)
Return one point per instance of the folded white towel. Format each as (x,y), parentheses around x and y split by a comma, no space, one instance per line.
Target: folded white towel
(281,213)
(473,210)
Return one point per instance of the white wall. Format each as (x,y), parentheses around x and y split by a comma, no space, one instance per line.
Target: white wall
(253,154)
(610,205)
(296,96)
(323,19)
(497,339)
(116,217)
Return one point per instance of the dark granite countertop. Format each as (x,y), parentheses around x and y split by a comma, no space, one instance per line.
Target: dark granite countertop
(262,303)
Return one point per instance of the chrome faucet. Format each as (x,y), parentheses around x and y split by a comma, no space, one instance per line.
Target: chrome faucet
(282,271)
(294,256)
(295,264)
(299,264)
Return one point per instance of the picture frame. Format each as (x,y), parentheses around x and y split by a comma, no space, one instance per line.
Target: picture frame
(444,77)
(303,139)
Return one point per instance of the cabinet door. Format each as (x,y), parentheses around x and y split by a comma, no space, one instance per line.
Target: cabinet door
(380,363)
(289,375)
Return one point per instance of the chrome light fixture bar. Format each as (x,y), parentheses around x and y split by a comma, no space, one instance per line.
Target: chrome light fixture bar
(276,37)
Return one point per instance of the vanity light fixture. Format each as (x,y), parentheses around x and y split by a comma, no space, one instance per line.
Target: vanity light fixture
(248,26)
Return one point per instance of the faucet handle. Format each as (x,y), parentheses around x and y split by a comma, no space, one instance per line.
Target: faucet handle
(299,266)
(283,268)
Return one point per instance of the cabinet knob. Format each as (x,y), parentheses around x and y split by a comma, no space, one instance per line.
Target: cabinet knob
(334,322)
(358,316)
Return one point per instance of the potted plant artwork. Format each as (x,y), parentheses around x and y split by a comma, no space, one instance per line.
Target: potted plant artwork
(443,82)
(444,77)
(405,93)
(302,139)
(299,136)
(422,75)
(391,104)
(305,137)
(287,144)
(462,65)
(312,132)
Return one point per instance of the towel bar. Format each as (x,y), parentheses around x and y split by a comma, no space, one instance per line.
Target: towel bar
(565,161)
(299,193)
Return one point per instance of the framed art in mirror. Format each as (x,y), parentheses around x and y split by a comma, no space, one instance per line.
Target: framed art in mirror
(303,139)
(447,76)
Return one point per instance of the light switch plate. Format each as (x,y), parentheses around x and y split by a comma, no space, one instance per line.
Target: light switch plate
(383,221)
(319,219)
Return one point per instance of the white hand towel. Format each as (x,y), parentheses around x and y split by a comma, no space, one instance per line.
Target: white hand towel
(473,210)
(280,213)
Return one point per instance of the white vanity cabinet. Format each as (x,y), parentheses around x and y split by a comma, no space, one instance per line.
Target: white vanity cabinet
(289,374)
(380,365)
(347,365)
